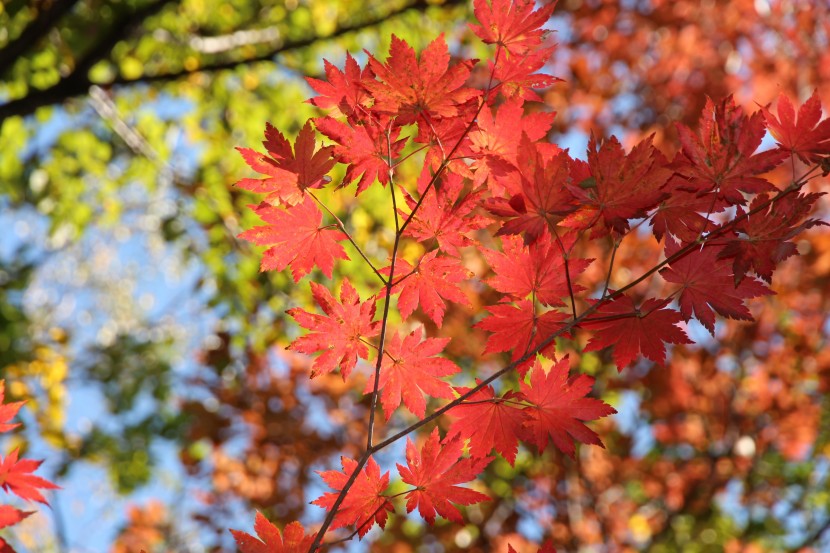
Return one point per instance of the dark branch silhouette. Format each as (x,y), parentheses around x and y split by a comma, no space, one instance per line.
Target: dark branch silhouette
(51,12)
(77,83)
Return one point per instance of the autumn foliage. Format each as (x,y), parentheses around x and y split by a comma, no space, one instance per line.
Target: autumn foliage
(495,204)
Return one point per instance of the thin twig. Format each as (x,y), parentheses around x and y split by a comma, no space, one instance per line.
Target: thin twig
(610,267)
(342,228)
(565,256)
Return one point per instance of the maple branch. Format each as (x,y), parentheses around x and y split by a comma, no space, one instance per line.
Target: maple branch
(589,311)
(398,234)
(389,283)
(610,267)
(315,545)
(374,401)
(795,186)
(565,256)
(342,228)
(369,520)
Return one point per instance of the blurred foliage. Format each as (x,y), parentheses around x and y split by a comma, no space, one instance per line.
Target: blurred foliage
(117,129)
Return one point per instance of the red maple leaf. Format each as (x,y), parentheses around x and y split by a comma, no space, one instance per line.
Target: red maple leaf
(364,504)
(708,283)
(804,136)
(680,213)
(435,473)
(432,281)
(363,148)
(419,89)
(518,76)
(545,198)
(5,547)
(621,187)
(16,477)
(296,239)
(722,157)
(8,410)
(633,330)
(497,142)
(763,240)
(410,370)
(445,216)
(280,184)
(9,516)
(513,24)
(310,167)
(520,329)
(489,422)
(344,89)
(339,334)
(537,269)
(292,540)
(560,408)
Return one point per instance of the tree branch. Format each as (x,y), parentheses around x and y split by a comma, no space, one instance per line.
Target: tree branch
(78,81)
(52,11)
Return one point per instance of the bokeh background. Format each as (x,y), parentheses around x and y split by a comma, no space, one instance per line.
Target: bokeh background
(151,349)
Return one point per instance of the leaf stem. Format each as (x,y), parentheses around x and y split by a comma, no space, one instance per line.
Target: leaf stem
(342,228)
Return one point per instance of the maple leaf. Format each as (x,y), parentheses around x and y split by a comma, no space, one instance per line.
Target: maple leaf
(489,422)
(344,89)
(9,516)
(292,540)
(8,410)
(454,131)
(537,269)
(435,473)
(633,330)
(680,214)
(520,329)
(498,141)
(518,75)
(722,157)
(803,136)
(296,239)
(310,167)
(419,89)
(445,217)
(428,284)
(363,148)
(410,370)
(5,547)
(560,408)
(708,283)
(545,198)
(621,187)
(511,23)
(16,477)
(339,334)
(764,238)
(365,503)
(280,184)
